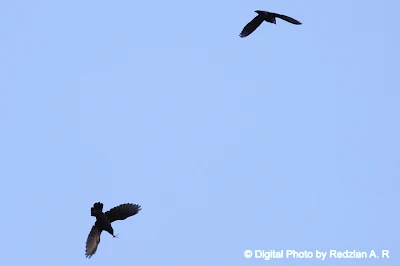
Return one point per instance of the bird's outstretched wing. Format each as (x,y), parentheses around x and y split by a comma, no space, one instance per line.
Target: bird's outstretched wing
(251,26)
(122,212)
(286,18)
(92,241)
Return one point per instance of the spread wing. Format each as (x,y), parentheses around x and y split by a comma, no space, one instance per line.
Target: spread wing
(251,26)
(286,18)
(92,241)
(122,212)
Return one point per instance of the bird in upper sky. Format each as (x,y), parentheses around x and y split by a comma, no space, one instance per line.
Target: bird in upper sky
(264,16)
(104,220)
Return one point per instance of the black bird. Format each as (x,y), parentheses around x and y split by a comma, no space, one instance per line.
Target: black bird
(104,220)
(264,16)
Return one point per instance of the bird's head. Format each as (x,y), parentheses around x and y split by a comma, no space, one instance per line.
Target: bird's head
(259,12)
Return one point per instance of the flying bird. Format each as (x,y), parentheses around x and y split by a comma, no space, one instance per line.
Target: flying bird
(264,16)
(104,220)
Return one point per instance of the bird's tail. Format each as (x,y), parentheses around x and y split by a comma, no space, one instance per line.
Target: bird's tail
(97,208)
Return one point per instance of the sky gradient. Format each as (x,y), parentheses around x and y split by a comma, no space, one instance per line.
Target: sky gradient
(285,139)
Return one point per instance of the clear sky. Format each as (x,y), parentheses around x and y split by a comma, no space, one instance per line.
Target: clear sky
(286,139)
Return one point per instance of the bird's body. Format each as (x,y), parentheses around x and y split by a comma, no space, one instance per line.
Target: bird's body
(104,220)
(102,223)
(265,16)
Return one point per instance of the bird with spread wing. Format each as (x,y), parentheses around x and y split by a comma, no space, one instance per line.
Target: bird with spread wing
(264,16)
(104,220)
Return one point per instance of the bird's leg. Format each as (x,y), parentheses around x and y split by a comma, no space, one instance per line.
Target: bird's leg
(115,236)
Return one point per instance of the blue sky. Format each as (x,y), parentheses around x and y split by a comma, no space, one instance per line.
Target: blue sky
(286,139)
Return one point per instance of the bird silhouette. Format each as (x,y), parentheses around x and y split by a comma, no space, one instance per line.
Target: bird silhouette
(104,220)
(264,16)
